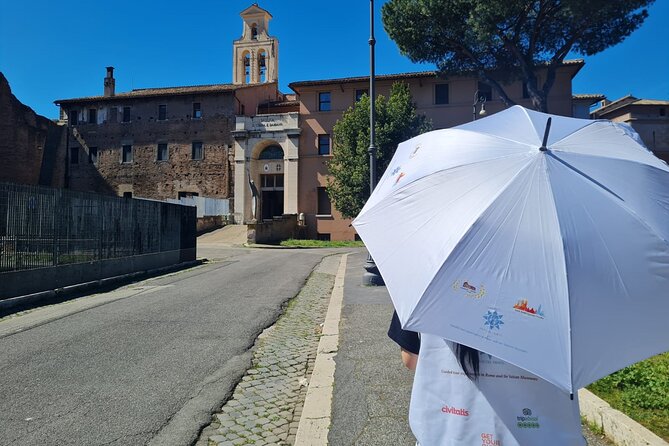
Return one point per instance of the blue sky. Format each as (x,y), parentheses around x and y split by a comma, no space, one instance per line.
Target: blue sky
(59,49)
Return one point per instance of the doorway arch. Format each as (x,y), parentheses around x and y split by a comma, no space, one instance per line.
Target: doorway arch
(270,169)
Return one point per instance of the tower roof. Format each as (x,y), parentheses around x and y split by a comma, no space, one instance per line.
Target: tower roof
(254,9)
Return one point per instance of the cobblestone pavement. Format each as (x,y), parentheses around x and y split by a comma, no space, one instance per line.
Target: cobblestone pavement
(266,405)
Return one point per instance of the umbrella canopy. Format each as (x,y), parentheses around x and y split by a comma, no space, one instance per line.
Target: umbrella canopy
(553,258)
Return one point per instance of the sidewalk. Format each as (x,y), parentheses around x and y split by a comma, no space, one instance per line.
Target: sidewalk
(372,388)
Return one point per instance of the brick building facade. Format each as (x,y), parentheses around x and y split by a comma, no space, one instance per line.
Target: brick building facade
(32,147)
(157,143)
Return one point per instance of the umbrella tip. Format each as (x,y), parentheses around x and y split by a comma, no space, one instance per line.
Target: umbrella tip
(543,147)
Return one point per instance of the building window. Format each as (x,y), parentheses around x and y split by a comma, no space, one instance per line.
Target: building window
(663,111)
(197,111)
(198,151)
(93,155)
(485,91)
(162,112)
(92,116)
(254,32)
(360,93)
(74,155)
(441,94)
(126,157)
(161,153)
(271,182)
(127,194)
(74,117)
(323,237)
(324,207)
(186,194)
(324,101)
(126,114)
(273,152)
(113,114)
(323,144)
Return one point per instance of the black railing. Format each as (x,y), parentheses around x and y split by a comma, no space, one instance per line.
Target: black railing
(41,227)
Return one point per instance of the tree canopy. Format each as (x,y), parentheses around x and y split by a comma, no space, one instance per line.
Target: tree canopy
(396,121)
(489,37)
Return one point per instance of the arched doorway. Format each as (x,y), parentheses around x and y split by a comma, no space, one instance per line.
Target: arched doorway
(271,182)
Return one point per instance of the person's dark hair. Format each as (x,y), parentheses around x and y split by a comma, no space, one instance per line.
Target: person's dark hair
(469,360)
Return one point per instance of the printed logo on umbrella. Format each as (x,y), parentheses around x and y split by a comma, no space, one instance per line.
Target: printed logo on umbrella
(395,171)
(414,151)
(493,319)
(469,289)
(522,307)
(527,421)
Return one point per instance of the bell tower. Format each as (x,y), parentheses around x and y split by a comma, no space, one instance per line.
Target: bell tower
(255,54)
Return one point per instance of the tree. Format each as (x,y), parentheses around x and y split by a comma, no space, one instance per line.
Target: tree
(513,37)
(396,121)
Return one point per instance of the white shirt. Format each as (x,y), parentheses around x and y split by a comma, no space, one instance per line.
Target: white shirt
(505,406)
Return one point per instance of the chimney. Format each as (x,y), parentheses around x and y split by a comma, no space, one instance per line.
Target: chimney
(110,83)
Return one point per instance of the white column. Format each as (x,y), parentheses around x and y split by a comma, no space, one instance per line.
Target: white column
(242,192)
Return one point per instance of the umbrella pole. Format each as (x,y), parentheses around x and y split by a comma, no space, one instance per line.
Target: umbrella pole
(371,276)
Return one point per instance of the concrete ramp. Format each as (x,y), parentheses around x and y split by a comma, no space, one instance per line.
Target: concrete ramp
(229,235)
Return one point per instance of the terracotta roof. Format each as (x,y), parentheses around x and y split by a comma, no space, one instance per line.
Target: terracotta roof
(614,105)
(594,97)
(411,75)
(347,80)
(651,102)
(282,103)
(154,92)
(624,101)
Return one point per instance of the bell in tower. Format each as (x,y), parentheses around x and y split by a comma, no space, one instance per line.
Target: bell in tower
(255,53)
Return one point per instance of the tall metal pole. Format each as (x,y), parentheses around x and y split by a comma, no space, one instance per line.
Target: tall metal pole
(371,276)
(372,103)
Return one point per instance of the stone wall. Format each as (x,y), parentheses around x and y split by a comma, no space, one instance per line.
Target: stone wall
(32,147)
(273,231)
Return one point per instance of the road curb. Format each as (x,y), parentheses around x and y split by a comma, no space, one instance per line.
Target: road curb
(315,421)
(617,427)
(35,299)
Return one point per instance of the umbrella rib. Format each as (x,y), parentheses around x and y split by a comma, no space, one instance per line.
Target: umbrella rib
(584,175)
(494,135)
(622,203)
(570,357)
(403,187)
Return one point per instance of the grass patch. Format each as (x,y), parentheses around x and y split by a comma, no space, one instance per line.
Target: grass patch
(594,427)
(294,243)
(641,391)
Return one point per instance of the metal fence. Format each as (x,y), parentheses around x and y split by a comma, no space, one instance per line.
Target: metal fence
(42,227)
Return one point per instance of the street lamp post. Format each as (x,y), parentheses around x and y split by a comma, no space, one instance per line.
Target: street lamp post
(371,276)
(478,99)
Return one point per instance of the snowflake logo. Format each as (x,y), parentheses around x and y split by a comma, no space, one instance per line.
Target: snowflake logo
(493,319)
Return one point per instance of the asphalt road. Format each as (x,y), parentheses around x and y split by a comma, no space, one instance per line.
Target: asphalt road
(147,363)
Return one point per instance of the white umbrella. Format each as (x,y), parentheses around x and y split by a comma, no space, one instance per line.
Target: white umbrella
(549,253)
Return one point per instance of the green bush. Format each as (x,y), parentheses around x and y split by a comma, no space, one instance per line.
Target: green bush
(644,385)
(641,391)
